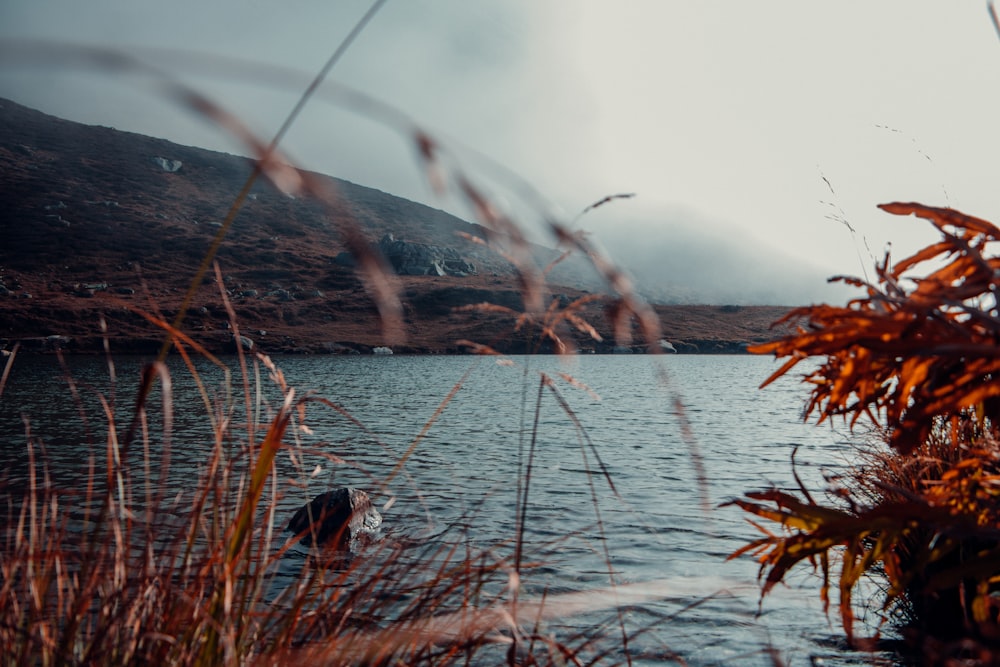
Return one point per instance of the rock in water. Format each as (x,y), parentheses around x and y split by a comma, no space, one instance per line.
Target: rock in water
(336,519)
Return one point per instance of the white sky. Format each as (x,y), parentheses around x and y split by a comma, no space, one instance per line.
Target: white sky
(723,117)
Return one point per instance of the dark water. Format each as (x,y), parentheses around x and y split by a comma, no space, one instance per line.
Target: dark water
(663,526)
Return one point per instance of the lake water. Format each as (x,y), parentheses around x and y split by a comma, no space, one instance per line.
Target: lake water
(662,526)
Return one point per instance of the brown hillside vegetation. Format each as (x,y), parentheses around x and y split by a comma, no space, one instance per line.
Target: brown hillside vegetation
(96,227)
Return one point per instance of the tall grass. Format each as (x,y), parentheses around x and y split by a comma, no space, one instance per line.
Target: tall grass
(131,568)
(127,570)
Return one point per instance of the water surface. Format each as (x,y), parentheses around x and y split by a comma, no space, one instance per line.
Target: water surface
(660,523)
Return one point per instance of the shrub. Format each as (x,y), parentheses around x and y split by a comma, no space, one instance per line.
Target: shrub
(917,358)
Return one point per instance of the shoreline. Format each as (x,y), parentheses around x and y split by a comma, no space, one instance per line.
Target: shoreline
(224,345)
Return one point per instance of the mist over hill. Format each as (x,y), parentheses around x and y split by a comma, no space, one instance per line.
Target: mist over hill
(677,257)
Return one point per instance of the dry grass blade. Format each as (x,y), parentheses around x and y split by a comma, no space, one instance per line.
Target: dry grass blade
(428,151)
(578,384)
(427,426)
(268,161)
(476,624)
(605,200)
(7,366)
(511,240)
(629,304)
(477,348)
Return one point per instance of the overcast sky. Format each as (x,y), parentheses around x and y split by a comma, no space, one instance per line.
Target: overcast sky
(746,129)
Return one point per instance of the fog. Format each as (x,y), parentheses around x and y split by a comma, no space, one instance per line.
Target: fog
(677,256)
(750,132)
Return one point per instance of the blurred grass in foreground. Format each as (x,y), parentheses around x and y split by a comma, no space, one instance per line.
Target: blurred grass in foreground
(122,571)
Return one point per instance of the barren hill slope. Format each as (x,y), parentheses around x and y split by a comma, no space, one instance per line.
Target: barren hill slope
(98,225)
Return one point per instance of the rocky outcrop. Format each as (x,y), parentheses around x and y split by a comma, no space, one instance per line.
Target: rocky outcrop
(336,519)
(168,165)
(420,259)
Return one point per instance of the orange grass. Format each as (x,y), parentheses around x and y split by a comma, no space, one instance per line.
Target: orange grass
(917,358)
(128,571)
(143,578)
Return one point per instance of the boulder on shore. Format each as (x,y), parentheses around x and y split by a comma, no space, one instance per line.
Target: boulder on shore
(336,519)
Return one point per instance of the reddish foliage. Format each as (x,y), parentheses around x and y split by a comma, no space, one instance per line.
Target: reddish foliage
(918,358)
(916,347)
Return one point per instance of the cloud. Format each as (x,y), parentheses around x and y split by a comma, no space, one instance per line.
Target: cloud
(678,256)
(731,113)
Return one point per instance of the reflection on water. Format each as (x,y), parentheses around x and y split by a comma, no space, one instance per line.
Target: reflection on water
(465,471)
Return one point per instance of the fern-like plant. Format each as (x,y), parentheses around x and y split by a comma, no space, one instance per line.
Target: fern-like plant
(918,357)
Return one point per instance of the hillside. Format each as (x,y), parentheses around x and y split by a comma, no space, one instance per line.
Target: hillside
(98,224)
